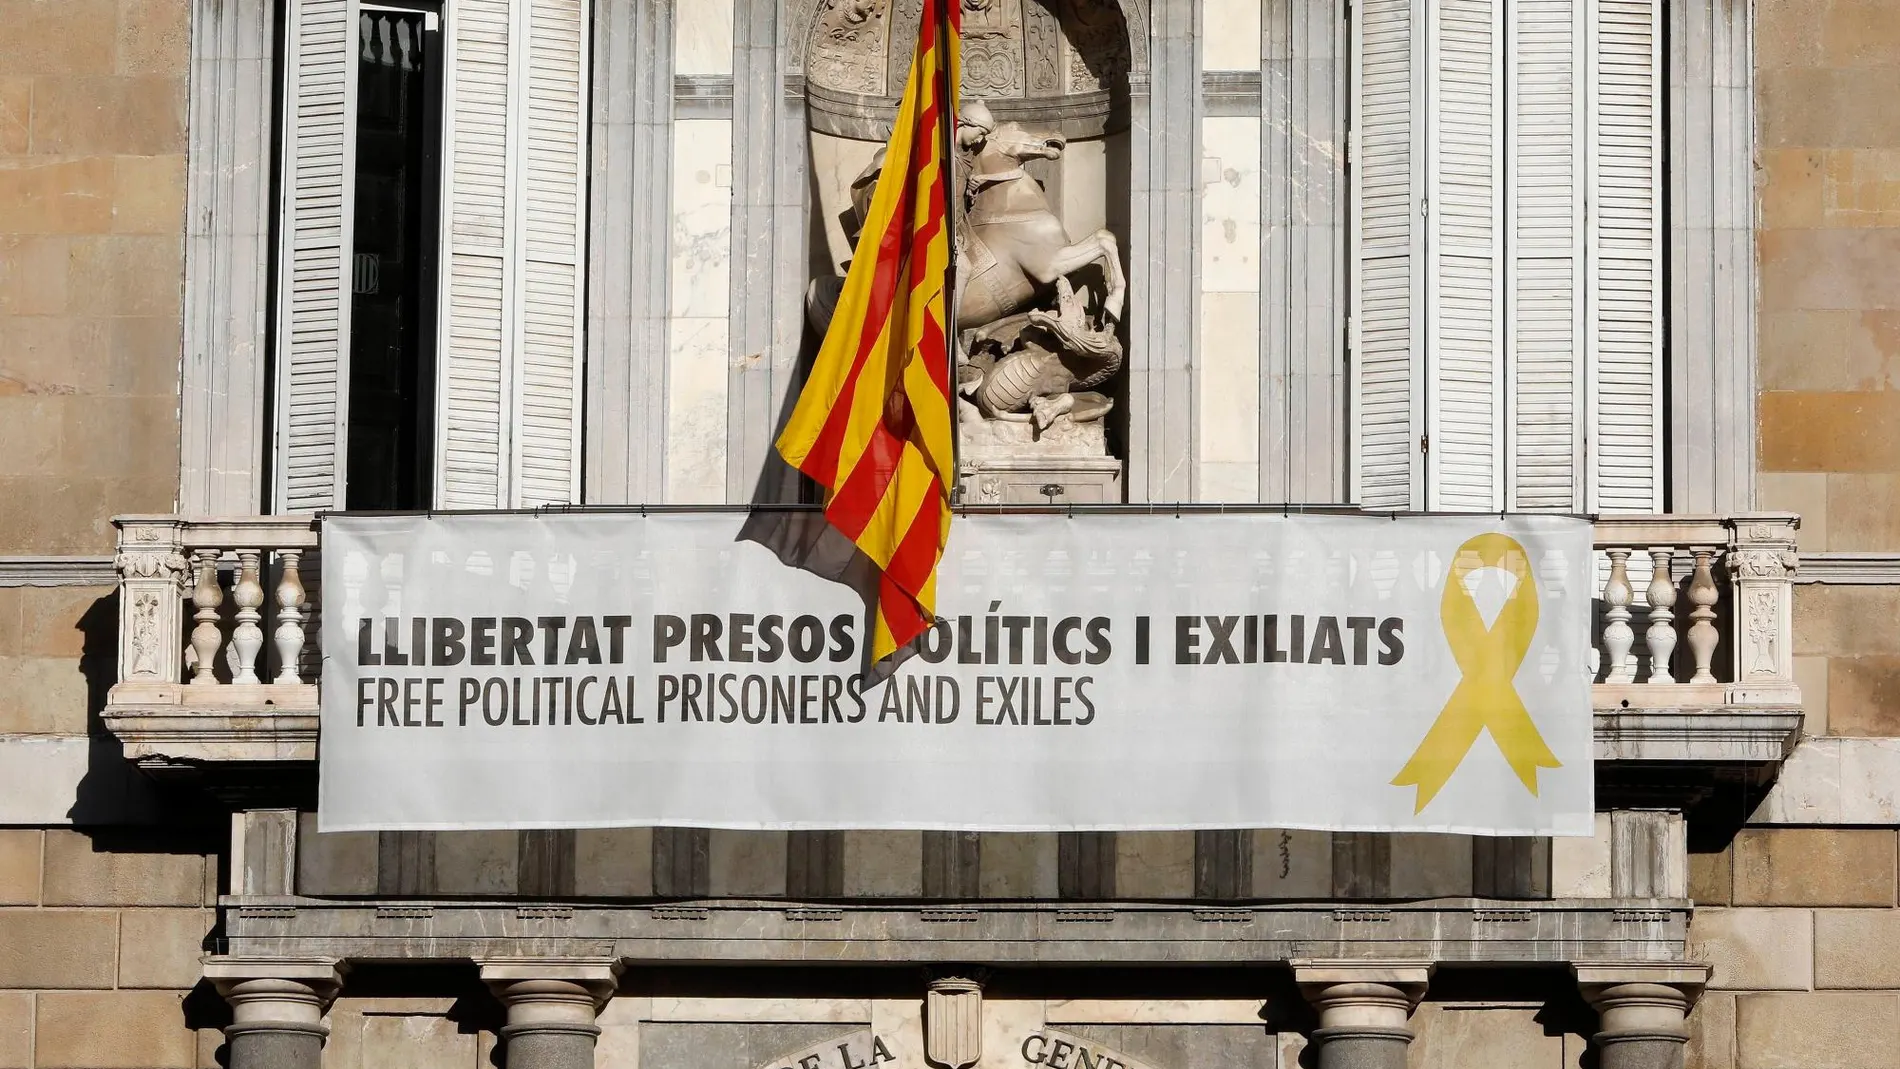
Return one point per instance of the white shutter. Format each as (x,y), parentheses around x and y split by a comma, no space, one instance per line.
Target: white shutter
(1388,243)
(473,420)
(1625,308)
(1464,258)
(313,314)
(510,380)
(1544,358)
(548,366)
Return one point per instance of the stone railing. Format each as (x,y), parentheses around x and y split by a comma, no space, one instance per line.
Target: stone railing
(218,621)
(1695,611)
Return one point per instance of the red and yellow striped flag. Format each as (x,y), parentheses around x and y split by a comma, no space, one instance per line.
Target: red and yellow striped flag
(873,423)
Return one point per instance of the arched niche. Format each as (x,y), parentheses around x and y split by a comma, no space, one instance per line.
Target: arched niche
(1071,67)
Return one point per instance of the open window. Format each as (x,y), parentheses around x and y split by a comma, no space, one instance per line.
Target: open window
(432,193)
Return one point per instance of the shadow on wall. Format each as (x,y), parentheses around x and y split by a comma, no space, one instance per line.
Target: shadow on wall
(112,790)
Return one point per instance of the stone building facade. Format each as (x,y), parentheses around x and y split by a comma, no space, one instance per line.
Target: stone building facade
(677,175)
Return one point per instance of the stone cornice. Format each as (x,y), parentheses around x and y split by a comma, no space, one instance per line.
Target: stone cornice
(58,571)
(1850,569)
(735,931)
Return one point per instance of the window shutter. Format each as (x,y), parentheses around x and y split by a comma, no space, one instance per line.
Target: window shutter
(473,419)
(1464,262)
(1625,312)
(1546,340)
(1388,245)
(510,380)
(1516,303)
(548,428)
(313,316)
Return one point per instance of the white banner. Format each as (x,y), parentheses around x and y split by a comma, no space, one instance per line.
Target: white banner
(1090,672)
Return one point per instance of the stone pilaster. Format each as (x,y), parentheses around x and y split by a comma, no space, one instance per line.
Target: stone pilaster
(277,1007)
(1641,1008)
(1363,1009)
(552,1005)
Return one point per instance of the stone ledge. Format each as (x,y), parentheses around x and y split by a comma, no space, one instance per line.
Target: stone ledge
(736,932)
(1727,734)
(182,722)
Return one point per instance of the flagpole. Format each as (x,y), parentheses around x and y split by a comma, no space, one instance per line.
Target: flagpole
(946,123)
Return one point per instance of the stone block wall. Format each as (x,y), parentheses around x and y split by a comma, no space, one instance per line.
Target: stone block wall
(92,205)
(1802,930)
(100,940)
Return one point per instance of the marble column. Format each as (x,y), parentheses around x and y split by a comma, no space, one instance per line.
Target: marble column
(277,1007)
(552,1005)
(1641,1009)
(1363,1009)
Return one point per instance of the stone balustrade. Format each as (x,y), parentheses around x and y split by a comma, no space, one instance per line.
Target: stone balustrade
(218,624)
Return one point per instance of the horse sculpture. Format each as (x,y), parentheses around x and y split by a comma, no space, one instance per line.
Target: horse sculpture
(1031,348)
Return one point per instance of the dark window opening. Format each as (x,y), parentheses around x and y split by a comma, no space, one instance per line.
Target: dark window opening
(392,311)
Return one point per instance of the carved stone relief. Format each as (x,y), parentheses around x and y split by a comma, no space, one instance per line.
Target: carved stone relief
(993,47)
(849,49)
(1098,44)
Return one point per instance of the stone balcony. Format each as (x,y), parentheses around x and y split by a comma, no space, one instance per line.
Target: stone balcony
(1693,643)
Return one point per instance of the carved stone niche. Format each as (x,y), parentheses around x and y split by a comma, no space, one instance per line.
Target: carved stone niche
(1043,167)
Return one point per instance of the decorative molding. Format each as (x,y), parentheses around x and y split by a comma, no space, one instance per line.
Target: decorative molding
(1231,93)
(1849,569)
(702,96)
(58,571)
(1140,934)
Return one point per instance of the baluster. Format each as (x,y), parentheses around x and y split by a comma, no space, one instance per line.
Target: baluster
(205,639)
(247,638)
(290,602)
(1617,636)
(1702,633)
(1661,635)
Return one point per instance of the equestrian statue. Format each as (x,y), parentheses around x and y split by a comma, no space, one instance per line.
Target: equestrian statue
(1032,345)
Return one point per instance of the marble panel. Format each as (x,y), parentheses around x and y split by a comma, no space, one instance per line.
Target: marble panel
(702,37)
(1230,35)
(1580,867)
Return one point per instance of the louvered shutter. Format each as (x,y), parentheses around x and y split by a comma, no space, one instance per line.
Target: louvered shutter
(475,328)
(1625,309)
(548,426)
(1526,321)
(313,315)
(1544,359)
(510,428)
(1388,244)
(1464,268)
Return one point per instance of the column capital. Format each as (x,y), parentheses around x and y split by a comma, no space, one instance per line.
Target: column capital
(1642,1009)
(1364,1008)
(276,994)
(1402,978)
(1675,982)
(546,996)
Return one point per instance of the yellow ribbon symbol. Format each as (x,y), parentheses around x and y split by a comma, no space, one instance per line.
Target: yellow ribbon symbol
(1486,698)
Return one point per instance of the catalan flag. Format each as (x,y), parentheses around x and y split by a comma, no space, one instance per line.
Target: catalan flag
(873,423)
